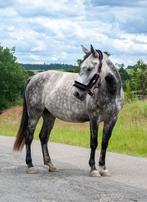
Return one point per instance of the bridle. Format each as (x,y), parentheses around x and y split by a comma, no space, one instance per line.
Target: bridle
(93,80)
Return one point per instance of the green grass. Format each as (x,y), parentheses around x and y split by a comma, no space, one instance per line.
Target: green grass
(129,135)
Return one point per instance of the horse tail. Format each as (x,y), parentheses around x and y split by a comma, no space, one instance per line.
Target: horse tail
(20,137)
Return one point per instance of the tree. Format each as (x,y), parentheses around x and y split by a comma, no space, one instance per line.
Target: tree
(138,74)
(124,76)
(12,78)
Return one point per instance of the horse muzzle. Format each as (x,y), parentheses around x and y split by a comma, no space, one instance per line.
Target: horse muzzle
(79,95)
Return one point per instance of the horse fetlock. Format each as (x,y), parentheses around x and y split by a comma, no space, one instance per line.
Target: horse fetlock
(29,162)
(92,164)
(103,171)
(46,160)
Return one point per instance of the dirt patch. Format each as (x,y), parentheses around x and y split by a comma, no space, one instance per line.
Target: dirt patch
(12,113)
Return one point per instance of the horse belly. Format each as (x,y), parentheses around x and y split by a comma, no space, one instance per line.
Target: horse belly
(67,108)
(71,117)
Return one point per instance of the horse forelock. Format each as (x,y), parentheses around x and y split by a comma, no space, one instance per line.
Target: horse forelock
(87,55)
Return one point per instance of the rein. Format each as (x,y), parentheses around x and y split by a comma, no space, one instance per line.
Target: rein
(93,80)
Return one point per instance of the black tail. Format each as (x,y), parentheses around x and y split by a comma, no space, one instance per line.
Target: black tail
(20,138)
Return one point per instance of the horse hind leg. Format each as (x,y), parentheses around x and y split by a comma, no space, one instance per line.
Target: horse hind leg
(32,122)
(48,123)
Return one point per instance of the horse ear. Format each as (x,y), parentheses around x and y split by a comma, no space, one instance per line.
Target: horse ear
(85,50)
(93,51)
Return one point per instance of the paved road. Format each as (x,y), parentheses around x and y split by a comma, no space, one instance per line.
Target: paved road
(71,183)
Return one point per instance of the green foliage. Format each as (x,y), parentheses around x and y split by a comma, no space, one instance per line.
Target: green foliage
(138,74)
(30,73)
(12,78)
(134,80)
(124,76)
(44,67)
(129,95)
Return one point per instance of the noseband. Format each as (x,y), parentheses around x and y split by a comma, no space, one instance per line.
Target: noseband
(93,80)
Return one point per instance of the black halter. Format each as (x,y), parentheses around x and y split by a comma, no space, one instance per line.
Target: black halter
(93,80)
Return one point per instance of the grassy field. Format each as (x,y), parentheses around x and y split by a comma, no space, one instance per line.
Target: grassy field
(129,135)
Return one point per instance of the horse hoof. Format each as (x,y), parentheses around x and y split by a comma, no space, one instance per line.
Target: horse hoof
(94,173)
(31,170)
(104,173)
(51,168)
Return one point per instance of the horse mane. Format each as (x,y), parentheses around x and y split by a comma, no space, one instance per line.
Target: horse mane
(116,73)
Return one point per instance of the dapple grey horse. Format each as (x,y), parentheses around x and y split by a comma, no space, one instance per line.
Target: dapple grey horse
(94,95)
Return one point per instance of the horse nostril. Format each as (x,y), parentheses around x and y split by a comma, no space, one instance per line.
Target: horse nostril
(76,94)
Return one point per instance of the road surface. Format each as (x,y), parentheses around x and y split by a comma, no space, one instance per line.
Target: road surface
(71,182)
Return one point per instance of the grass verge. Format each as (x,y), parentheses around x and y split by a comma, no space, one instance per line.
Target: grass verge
(129,135)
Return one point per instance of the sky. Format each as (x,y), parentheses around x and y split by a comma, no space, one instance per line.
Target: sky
(47,31)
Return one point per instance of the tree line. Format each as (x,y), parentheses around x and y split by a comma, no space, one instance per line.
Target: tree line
(44,67)
(134,80)
(13,76)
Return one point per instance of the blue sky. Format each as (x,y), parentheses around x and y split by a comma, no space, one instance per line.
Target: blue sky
(47,31)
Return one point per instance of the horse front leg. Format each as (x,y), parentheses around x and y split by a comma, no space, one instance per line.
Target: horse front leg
(93,145)
(107,132)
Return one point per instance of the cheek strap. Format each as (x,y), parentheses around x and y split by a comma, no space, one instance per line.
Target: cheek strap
(87,87)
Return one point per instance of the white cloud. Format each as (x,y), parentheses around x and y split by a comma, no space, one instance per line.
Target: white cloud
(52,31)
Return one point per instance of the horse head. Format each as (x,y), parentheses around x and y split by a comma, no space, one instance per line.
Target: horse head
(93,69)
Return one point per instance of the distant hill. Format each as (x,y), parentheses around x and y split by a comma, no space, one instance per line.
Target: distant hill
(44,67)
